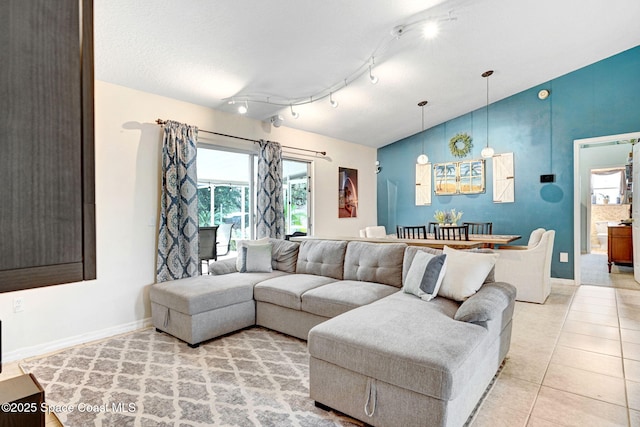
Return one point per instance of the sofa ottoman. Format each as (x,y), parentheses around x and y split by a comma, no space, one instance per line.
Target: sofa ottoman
(200,308)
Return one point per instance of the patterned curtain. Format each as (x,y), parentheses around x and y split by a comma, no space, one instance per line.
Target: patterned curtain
(178,231)
(269,205)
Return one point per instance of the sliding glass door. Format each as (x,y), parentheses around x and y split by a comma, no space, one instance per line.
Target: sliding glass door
(226,195)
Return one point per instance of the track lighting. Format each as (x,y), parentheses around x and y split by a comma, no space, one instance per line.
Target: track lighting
(372,78)
(423,159)
(294,114)
(332,101)
(276,120)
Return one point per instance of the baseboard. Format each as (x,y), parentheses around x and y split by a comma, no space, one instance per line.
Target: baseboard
(52,346)
(564,282)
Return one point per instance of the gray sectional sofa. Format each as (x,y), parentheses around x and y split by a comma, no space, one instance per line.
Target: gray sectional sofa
(378,354)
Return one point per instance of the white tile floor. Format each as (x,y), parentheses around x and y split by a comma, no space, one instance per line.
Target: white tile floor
(574,361)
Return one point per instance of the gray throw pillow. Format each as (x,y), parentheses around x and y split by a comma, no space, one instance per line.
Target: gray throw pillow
(425,275)
(256,259)
(485,304)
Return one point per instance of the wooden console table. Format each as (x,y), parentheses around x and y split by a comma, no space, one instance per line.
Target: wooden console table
(620,245)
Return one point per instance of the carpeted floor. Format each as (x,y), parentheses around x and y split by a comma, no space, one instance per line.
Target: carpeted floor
(255,377)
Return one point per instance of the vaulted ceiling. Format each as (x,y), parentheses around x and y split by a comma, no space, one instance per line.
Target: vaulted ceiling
(294,51)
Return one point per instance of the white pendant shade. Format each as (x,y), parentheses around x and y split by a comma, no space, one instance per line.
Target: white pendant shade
(487,152)
(423,159)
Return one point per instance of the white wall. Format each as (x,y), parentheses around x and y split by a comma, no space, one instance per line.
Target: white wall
(128,146)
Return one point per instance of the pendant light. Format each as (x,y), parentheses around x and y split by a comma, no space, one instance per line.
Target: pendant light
(423,159)
(487,151)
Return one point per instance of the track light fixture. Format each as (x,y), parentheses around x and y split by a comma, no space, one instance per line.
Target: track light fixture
(332,101)
(276,120)
(373,79)
(423,159)
(294,114)
(487,152)
(428,25)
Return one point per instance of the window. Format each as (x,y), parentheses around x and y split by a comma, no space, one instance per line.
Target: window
(607,186)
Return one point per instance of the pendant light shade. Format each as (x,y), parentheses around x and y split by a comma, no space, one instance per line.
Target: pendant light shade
(423,159)
(487,152)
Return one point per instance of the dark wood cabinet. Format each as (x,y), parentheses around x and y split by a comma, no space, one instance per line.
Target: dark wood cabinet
(22,400)
(47,213)
(620,245)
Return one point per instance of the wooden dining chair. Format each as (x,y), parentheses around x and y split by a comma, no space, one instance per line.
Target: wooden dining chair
(453,232)
(411,231)
(479,227)
(432,229)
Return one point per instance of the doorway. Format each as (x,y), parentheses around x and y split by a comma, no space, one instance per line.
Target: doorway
(598,202)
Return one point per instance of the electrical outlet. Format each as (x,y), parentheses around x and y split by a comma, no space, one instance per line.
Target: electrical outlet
(564,257)
(18,304)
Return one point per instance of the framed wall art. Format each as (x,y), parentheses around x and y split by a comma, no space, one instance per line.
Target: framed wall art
(464,177)
(347,193)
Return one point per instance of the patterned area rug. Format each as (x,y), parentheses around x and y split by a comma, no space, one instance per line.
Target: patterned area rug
(255,377)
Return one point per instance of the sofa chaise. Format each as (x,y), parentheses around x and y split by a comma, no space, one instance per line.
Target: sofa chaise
(378,354)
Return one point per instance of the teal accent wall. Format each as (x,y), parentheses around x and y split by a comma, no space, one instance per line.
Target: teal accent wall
(599,99)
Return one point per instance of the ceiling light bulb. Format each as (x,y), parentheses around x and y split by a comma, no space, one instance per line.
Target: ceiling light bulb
(332,101)
(372,78)
(242,109)
(430,30)
(487,152)
(423,159)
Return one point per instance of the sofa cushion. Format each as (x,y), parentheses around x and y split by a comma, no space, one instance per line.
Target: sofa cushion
(322,258)
(410,252)
(286,291)
(374,262)
(466,272)
(338,297)
(405,342)
(203,293)
(284,255)
(487,304)
(425,275)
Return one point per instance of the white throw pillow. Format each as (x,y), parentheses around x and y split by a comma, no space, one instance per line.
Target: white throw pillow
(242,243)
(425,275)
(466,272)
(256,258)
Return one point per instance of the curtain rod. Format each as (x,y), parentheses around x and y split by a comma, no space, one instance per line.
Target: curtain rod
(324,153)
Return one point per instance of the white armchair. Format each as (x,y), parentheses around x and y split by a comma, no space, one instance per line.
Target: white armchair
(374,232)
(528,268)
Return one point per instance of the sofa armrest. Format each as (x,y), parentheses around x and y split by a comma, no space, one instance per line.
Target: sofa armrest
(486,304)
(225,266)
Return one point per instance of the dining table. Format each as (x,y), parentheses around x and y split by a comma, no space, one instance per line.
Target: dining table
(432,243)
(475,240)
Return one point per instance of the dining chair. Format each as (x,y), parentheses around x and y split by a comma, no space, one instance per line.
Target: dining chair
(224,239)
(453,232)
(432,228)
(411,231)
(207,245)
(479,227)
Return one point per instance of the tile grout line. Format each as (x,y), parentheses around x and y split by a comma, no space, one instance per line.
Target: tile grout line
(555,345)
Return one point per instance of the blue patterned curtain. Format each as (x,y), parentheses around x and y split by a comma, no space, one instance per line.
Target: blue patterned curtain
(269,204)
(178,231)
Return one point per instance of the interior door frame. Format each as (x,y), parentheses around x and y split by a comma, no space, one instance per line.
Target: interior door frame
(577,225)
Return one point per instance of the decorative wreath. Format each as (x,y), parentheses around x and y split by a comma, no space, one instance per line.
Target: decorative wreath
(460,145)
